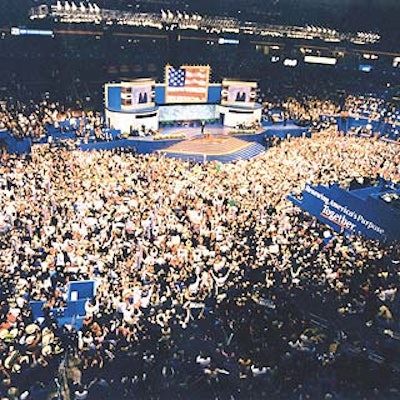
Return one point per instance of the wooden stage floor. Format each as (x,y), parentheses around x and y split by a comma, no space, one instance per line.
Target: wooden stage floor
(214,141)
(208,145)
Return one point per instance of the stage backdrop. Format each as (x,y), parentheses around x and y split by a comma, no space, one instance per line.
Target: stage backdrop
(187,84)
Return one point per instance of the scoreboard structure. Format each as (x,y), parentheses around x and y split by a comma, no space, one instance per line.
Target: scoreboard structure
(186,94)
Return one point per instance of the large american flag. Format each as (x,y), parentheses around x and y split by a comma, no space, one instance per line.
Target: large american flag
(187,84)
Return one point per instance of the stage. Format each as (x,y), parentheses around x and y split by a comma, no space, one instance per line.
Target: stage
(209,145)
(216,147)
(192,132)
(215,143)
(195,131)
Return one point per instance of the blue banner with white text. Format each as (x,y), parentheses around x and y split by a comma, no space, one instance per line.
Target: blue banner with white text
(372,212)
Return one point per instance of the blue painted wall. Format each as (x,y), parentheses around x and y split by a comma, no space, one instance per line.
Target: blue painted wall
(141,146)
(214,94)
(114,97)
(160,95)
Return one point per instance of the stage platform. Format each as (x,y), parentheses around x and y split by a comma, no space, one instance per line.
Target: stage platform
(209,145)
(218,147)
(217,143)
(164,139)
(279,129)
(194,132)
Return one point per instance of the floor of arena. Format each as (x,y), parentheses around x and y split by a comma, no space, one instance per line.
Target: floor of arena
(216,140)
(209,145)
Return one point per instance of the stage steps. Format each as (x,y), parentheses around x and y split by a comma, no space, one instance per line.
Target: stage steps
(250,151)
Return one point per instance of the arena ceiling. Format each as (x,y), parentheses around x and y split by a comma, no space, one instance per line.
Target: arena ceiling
(341,13)
(349,15)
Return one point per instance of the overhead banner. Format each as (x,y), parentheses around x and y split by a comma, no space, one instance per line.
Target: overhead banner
(352,212)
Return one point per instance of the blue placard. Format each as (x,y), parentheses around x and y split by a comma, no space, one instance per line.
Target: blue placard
(81,290)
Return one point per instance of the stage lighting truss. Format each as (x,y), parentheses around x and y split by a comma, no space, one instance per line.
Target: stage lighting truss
(88,12)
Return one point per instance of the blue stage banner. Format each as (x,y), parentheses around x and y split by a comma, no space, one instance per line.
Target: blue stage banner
(352,212)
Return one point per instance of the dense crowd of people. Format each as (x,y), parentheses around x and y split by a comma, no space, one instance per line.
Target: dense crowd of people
(373,108)
(39,121)
(306,109)
(210,284)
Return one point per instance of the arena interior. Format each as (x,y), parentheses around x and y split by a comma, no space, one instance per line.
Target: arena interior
(231,234)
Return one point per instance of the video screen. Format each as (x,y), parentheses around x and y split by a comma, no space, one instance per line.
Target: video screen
(187,112)
(238,93)
(136,95)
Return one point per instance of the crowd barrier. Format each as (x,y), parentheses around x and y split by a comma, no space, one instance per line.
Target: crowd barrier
(384,129)
(15,146)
